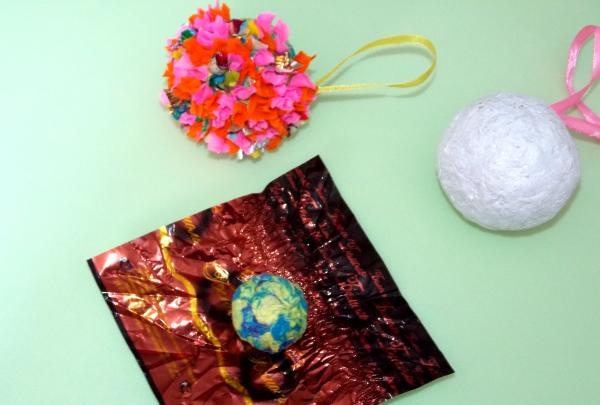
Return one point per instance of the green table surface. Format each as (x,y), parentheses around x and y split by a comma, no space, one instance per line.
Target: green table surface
(91,160)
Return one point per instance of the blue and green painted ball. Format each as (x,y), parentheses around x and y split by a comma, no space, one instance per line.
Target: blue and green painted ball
(269,312)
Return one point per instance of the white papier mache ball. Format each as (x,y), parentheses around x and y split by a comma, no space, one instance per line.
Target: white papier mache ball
(507,162)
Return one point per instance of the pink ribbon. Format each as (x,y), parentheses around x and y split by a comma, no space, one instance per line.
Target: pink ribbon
(589,123)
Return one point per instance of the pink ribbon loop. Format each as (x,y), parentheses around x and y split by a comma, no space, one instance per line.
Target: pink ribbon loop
(589,123)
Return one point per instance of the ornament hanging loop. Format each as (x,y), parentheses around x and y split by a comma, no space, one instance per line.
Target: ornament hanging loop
(589,123)
(396,40)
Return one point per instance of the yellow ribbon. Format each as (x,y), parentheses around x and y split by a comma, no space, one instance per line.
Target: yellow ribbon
(406,39)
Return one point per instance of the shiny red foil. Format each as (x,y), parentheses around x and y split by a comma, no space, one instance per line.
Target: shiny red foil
(170,292)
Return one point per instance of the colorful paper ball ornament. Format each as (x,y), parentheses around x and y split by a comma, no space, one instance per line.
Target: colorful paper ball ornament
(237,85)
(507,162)
(241,88)
(269,312)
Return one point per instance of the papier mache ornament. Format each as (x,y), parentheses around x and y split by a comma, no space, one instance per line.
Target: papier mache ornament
(507,162)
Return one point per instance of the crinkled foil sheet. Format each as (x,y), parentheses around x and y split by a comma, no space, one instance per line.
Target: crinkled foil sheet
(170,293)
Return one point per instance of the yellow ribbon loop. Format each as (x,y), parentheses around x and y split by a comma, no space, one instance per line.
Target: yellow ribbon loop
(406,39)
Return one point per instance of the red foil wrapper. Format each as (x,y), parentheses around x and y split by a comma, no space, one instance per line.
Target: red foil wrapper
(170,293)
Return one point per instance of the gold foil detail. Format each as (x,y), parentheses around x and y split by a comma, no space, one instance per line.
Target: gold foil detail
(165,242)
(190,227)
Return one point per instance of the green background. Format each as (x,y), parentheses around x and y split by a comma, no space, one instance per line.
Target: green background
(91,160)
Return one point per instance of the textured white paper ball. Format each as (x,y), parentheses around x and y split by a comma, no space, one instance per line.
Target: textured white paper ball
(507,162)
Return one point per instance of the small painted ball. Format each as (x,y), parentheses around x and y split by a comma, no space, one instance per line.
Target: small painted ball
(269,312)
(507,162)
